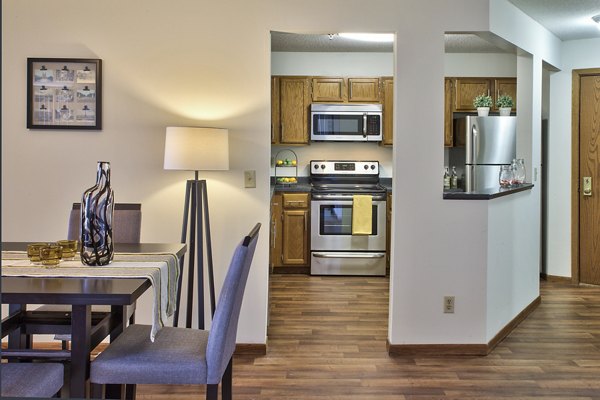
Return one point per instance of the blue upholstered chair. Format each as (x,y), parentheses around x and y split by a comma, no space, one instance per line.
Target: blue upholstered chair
(182,355)
(127,225)
(31,379)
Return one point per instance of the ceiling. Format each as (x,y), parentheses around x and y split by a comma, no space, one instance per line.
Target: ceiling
(567,19)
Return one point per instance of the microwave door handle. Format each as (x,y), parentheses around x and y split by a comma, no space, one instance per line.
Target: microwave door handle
(365,125)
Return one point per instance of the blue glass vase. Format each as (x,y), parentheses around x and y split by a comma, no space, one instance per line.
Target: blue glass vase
(97,207)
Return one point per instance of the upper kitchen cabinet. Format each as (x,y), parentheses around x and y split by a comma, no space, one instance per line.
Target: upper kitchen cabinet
(505,86)
(363,90)
(292,118)
(275,110)
(448,122)
(466,89)
(387,95)
(329,89)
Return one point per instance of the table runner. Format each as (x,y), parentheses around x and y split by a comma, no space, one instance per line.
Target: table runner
(161,269)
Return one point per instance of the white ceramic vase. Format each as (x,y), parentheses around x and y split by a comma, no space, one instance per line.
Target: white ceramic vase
(504,111)
(483,111)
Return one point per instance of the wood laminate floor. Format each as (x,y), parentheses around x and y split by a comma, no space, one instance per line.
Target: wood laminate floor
(327,335)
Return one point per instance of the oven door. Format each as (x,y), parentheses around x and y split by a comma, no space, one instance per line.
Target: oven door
(331,225)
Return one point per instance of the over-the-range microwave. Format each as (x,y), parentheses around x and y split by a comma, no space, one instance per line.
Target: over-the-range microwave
(346,122)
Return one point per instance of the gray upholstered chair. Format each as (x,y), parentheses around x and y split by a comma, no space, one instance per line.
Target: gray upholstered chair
(182,355)
(31,379)
(127,225)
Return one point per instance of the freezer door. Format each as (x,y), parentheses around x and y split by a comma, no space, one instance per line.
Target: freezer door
(491,140)
(479,177)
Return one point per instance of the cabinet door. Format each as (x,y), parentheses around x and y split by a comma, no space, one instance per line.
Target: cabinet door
(363,89)
(505,86)
(328,89)
(275,110)
(448,122)
(388,227)
(294,101)
(466,89)
(295,237)
(276,233)
(387,85)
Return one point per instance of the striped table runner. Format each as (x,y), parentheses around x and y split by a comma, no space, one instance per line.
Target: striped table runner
(161,269)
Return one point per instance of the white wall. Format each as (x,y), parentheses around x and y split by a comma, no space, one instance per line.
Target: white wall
(576,54)
(207,63)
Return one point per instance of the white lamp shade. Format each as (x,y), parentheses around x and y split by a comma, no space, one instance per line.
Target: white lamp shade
(196,149)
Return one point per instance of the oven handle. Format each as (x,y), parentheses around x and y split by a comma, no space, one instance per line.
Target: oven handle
(318,196)
(348,255)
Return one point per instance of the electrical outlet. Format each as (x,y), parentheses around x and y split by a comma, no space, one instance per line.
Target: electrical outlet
(449,304)
(250,179)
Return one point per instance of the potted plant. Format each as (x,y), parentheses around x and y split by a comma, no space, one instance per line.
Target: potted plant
(483,102)
(504,104)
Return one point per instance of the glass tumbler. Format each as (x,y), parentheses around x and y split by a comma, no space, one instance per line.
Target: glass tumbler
(505,178)
(51,255)
(69,248)
(33,252)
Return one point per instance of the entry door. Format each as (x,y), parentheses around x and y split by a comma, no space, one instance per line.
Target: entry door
(589,166)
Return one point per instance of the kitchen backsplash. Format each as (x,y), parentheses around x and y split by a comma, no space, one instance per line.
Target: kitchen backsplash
(338,151)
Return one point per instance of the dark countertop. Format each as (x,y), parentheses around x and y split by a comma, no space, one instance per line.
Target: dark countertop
(302,186)
(386,183)
(486,194)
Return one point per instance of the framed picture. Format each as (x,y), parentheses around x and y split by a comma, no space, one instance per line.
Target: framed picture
(64,93)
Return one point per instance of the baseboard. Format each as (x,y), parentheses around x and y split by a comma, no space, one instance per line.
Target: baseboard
(463,349)
(555,278)
(253,349)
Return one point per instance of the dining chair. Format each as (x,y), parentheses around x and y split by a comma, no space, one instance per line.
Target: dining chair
(182,355)
(127,225)
(31,379)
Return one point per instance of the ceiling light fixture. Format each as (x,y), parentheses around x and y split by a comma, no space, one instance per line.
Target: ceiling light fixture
(369,37)
(596,19)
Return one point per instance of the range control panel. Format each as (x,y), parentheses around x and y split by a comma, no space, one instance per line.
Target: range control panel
(344,167)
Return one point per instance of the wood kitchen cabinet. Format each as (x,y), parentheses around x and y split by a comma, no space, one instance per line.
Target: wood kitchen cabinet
(289,109)
(290,231)
(503,86)
(363,90)
(325,89)
(466,89)
(448,121)
(387,96)
(388,228)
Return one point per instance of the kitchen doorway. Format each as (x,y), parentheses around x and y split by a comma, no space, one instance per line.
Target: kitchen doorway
(586,174)
(327,68)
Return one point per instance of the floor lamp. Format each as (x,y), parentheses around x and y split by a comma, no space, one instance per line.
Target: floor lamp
(196,149)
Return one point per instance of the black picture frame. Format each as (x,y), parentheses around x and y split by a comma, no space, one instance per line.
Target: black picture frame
(64,93)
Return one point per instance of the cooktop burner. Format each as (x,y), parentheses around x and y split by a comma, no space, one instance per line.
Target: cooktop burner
(345,177)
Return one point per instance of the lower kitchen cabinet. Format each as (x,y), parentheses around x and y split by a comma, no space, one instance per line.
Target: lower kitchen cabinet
(388,227)
(290,232)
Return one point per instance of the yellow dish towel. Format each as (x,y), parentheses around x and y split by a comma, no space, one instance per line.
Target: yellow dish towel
(362,214)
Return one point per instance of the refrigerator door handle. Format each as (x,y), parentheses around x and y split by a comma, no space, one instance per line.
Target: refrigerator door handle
(475,144)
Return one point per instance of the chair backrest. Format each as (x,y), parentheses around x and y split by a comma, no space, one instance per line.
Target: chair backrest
(223,331)
(127,222)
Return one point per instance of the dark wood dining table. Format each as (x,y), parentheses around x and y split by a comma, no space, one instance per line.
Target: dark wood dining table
(81,294)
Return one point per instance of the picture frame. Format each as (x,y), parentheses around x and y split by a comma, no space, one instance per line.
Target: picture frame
(64,93)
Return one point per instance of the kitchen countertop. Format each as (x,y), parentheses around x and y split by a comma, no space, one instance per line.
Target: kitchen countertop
(485,194)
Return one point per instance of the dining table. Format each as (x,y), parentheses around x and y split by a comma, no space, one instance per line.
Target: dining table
(24,285)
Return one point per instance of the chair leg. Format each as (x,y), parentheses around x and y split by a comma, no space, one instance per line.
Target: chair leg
(96,391)
(65,345)
(227,382)
(212,392)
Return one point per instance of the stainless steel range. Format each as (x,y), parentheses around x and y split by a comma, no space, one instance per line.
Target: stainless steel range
(334,249)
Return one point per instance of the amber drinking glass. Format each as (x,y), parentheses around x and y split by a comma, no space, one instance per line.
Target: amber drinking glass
(51,255)
(33,252)
(69,248)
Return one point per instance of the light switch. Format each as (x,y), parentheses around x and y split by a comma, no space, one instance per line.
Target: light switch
(250,179)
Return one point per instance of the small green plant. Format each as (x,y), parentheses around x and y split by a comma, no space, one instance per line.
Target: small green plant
(504,101)
(482,100)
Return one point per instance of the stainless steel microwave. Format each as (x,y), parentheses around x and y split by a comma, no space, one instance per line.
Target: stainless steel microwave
(346,122)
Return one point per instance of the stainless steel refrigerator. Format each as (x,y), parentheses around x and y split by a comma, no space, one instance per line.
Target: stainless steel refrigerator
(489,142)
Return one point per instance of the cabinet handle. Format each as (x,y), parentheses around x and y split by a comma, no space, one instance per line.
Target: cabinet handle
(587,185)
